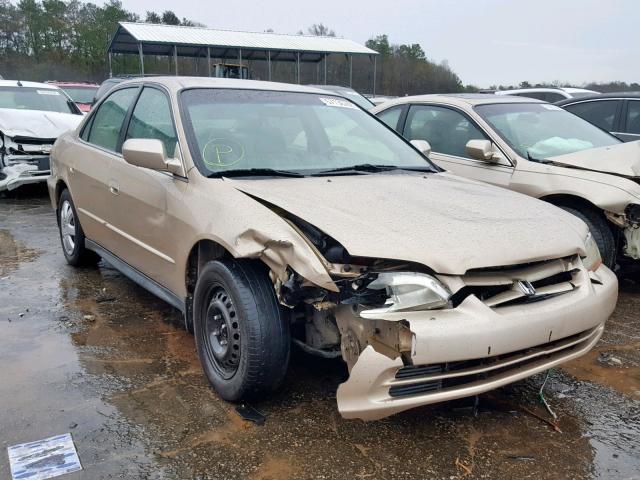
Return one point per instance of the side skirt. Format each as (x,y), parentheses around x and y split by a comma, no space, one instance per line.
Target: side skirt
(137,276)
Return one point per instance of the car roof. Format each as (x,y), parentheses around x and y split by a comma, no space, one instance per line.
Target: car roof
(175,84)
(545,89)
(73,84)
(14,83)
(460,99)
(600,96)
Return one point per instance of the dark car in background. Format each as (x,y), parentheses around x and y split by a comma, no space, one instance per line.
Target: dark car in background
(82,93)
(617,113)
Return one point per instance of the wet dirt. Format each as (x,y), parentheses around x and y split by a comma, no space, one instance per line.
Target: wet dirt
(88,352)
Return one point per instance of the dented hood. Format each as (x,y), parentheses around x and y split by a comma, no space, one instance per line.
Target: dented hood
(444,222)
(620,159)
(36,123)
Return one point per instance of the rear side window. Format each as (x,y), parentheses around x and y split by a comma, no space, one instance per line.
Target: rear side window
(633,117)
(106,123)
(391,116)
(151,118)
(601,113)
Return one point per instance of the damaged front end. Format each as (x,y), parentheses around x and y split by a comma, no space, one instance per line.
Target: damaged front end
(629,222)
(411,336)
(23,160)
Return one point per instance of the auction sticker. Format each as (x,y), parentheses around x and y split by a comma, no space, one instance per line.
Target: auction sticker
(48,92)
(48,458)
(337,102)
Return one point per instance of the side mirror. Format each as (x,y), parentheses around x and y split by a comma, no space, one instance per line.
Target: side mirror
(480,150)
(149,153)
(423,146)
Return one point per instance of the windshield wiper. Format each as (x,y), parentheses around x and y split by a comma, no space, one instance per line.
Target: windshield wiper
(254,172)
(368,167)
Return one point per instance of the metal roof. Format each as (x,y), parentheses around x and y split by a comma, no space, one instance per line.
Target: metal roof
(160,40)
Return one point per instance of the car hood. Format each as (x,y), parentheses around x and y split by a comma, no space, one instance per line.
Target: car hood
(444,222)
(36,123)
(622,159)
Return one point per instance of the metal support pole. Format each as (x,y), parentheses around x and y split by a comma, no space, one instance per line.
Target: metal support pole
(175,57)
(325,68)
(209,61)
(240,63)
(374,76)
(269,63)
(298,66)
(110,67)
(350,70)
(141,58)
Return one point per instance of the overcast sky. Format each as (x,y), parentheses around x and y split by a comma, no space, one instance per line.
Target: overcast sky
(485,41)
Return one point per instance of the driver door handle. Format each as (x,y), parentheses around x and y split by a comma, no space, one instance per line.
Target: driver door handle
(114,188)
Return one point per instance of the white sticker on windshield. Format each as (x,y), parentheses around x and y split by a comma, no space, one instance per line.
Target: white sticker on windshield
(337,102)
(48,92)
(551,107)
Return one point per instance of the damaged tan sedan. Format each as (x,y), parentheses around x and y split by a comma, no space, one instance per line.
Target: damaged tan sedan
(273,214)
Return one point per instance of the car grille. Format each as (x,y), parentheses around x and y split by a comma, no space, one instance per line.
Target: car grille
(424,379)
(521,284)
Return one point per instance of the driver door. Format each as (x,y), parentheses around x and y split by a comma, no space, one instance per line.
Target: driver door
(448,130)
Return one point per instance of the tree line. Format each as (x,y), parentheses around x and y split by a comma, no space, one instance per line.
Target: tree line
(67,40)
(602,87)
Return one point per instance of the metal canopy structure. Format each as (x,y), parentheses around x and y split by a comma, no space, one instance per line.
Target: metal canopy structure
(178,41)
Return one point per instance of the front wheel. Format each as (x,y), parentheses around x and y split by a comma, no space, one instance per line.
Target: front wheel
(601,232)
(242,338)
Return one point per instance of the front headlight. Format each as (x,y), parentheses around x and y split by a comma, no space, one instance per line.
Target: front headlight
(592,260)
(408,291)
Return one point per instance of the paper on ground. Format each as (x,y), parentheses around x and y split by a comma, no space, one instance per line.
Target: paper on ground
(44,459)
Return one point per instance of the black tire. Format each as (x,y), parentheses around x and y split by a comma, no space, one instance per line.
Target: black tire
(255,357)
(600,230)
(75,252)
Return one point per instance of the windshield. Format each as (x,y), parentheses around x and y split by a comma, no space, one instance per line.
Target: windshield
(81,94)
(28,98)
(299,132)
(539,130)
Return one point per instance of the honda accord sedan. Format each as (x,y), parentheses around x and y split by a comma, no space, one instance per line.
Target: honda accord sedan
(274,215)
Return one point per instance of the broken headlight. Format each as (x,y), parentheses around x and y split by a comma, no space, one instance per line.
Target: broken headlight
(592,260)
(408,291)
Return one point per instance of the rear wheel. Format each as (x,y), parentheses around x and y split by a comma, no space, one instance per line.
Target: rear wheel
(71,234)
(242,338)
(600,230)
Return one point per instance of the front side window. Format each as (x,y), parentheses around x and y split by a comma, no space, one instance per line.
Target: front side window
(446,130)
(28,98)
(302,132)
(151,118)
(106,123)
(538,131)
(391,116)
(633,117)
(601,113)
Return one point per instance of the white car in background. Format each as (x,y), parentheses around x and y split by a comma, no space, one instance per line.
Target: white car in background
(32,116)
(550,95)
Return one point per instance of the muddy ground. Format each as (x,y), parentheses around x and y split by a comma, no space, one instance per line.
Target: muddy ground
(88,352)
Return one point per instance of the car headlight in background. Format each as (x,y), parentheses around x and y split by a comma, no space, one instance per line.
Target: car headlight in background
(592,260)
(408,291)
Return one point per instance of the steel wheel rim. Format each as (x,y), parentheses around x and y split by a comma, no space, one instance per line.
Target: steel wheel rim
(222,334)
(68,228)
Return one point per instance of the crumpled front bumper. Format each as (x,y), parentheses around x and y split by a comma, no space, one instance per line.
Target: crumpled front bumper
(473,348)
(22,173)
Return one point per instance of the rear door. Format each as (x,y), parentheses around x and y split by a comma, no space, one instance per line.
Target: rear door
(90,162)
(448,130)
